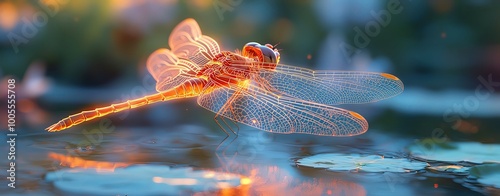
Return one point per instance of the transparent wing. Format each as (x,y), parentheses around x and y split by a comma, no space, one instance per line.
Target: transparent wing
(190,51)
(187,42)
(258,108)
(168,70)
(329,87)
(333,87)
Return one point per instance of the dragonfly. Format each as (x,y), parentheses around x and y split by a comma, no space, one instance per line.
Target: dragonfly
(252,87)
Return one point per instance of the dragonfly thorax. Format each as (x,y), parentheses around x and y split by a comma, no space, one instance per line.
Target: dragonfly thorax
(228,68)
(211,69)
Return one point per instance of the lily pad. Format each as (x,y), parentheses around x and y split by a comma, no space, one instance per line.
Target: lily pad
(142,180)
(488,174)
(472,152)
(366,163)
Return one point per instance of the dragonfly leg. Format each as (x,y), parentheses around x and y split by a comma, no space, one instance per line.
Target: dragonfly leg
(216,119)
(220,125)
(228,107)
(231,109)
(227,125)
(207,86)
(219,149)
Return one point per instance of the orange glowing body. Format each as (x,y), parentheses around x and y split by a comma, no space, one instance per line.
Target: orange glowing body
(252,88)
(189,89)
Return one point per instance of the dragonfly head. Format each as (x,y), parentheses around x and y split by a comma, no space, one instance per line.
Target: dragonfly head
(266,53)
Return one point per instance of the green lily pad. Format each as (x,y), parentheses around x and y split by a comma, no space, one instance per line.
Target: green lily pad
(142,180)
(488,174)
(366,163)
(472,152)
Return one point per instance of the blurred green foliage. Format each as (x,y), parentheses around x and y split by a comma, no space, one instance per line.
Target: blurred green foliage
(434,44)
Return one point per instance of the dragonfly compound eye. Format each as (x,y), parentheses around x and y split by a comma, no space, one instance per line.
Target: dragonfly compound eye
(265,53)
(270,54)
(251,49)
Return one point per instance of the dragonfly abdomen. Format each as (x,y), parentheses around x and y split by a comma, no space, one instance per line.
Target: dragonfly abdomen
(190,88)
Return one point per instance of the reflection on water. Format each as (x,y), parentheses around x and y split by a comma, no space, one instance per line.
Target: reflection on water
(261,180)
(275,180)
(77,162)
(142,179)
(266,163)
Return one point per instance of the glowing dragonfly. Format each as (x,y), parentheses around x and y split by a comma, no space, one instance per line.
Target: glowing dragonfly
(252,88)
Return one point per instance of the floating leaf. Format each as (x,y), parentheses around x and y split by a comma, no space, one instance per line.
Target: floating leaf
(142,180)
(367,163)
(488,174)
(461,151)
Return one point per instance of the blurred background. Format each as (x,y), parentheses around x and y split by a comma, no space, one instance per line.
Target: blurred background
(74,55)
(68,56)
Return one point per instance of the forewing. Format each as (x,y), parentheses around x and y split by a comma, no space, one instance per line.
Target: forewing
(332,87)
(258,108)
(187,42)
(168,70)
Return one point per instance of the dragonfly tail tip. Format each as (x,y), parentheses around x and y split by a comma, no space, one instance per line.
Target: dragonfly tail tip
(53,128)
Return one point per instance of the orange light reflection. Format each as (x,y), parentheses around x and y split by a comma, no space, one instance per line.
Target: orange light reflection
(269,180)
(175,181)
(273,180)
(77,162)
